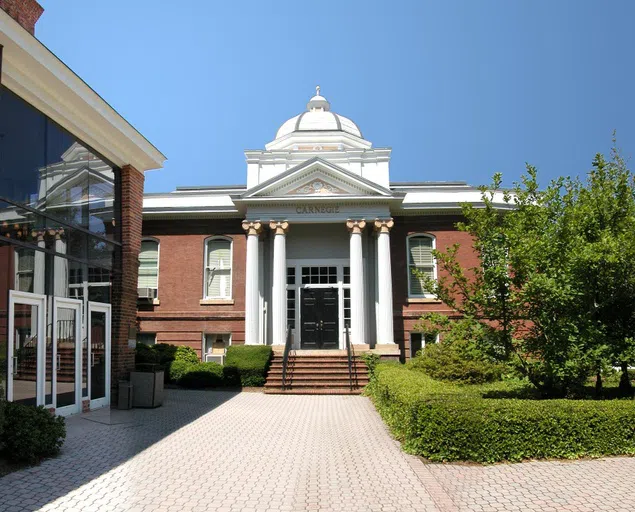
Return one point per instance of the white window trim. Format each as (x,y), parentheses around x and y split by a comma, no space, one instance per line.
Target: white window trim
(409,266)
(158,242)
(148,332)
(19,272)
(231,268)
(203,343)
(423,341)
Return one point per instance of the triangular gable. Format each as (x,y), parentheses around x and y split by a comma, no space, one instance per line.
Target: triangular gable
(316,177)
(76,178)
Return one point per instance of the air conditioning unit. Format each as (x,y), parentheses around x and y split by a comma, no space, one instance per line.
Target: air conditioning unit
(147,293)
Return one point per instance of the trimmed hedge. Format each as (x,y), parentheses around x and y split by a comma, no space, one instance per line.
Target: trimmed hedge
(201,375)
(166,355)
(247,365)
(446,422)
(178,369)
(30,434)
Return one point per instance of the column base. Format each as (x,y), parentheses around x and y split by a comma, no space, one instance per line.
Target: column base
(387,351)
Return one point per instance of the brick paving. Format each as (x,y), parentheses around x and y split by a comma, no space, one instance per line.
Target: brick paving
(223,451)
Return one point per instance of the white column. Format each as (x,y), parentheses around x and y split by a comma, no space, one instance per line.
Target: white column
(60,272)
(358,313)
(279,285)
(39,265)
(252,313)
(385,332)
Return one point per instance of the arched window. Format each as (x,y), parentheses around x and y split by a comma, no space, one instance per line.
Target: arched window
(149,265)
(420,258)
(218,268)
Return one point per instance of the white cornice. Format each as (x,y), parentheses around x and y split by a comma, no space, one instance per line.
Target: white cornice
(34,73)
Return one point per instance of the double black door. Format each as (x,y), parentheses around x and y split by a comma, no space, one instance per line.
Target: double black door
(319,318)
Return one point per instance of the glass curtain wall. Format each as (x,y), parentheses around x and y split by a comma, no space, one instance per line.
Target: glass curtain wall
(59,223)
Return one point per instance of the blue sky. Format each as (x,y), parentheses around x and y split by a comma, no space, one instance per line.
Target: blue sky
(459,89)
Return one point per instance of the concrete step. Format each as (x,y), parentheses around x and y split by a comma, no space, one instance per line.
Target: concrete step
(334,364)
(315,371)
(318,378)
(314,384)
(309,391)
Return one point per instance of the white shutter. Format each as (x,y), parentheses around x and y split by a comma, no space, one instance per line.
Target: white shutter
(149,264)
(419,257)
(218,269)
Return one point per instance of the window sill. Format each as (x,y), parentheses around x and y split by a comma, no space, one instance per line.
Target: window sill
(143,300)
(423,300)
(216,302)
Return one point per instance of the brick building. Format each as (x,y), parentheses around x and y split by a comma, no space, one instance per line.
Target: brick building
(71,193)
(318,240)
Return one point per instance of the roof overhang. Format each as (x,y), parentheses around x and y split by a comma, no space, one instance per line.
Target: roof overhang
(35,74)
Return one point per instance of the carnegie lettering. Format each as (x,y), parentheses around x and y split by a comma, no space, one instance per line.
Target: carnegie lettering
(317,209)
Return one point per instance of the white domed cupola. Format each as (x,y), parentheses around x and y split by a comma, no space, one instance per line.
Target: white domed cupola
(318,102)
(318,135)
(318,118)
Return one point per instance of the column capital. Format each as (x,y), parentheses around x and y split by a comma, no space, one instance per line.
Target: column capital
(279,227)
(38,235)
(383,225)
(252,228)
(355,226)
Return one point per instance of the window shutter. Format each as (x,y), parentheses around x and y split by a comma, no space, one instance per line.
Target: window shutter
(149,264)
(218,271)
(420,258)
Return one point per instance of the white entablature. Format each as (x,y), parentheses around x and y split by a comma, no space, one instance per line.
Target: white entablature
(318,132)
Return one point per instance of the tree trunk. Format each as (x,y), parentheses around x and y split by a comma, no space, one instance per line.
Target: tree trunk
(625,383)
(598,385)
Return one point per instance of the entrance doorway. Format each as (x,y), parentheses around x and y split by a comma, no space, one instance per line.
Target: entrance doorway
(98,354)
(27,339)
(319,318)
(67,355)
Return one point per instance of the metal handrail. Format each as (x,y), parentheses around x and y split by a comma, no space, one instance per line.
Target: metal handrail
(285,358)
(350,359)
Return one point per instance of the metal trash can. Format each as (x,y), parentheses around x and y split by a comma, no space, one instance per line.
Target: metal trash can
(125,395)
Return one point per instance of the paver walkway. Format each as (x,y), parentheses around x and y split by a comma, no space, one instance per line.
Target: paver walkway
(226,451)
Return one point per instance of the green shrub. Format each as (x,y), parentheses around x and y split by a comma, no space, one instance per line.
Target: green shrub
(446,422)
(445,361)
(179,368)
(248,363)
(165,355)
(201,375)
(145,354)
(371,360)
(31,433)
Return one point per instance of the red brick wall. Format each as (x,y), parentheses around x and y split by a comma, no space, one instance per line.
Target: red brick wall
(25,12)
(180,318)
(407,312)
(124,290)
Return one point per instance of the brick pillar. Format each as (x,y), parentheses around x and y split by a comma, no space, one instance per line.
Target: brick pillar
(124,292)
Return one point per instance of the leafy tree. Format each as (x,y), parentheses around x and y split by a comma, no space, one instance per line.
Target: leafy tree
(603,222)
(523,291)
(555,288)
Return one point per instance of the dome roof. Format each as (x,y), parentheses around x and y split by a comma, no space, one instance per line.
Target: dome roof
(318,117)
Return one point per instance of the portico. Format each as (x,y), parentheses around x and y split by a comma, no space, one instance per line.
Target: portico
(346,257)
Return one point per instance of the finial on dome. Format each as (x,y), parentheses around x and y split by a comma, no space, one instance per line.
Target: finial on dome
(318,102)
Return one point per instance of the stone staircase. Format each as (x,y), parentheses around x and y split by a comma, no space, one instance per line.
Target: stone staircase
(317,372)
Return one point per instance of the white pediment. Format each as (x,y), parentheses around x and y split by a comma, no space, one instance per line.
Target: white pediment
(316,178)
